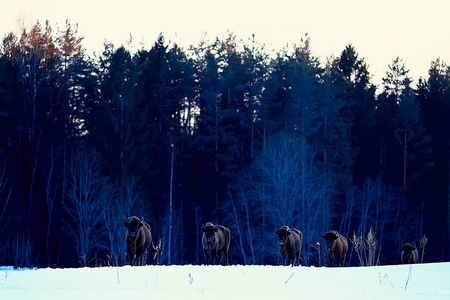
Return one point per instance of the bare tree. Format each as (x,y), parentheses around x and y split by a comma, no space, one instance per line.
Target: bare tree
(20,244)
(296,189)
(86,192)
(285,180)
(114,209)
(50,193)
(197,231)
(21,248)
(3,204)
(237,213)
(3,182)
(176,237)
(374,206)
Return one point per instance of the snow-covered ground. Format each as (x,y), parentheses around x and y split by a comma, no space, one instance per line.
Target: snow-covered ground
(421,281)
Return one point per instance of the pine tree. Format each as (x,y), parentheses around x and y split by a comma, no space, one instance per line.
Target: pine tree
(166,75)
(434,99)
(351,77)
(404,137)
(116,123)
(276,95)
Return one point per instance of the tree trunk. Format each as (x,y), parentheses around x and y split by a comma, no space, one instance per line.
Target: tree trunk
(170,210)
(197,233)
(405,158)
(448,200)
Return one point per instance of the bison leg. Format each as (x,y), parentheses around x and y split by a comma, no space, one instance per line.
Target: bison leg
(297,256)
(138,259)
(342,260)
(132,258)
(143,260)
(207,256)
(330,260)
(226,257)
(291,258)
(213,257)
(141,256)
(223,253)
(220,257)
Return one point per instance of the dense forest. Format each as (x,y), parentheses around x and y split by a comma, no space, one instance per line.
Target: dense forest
(220,132)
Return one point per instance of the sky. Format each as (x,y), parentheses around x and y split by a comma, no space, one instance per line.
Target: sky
(415,31)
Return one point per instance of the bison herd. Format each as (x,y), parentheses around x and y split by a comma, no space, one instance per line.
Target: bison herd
(216,242)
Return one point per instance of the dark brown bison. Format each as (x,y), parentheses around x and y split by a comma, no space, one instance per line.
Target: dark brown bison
(215,240)
(290,243)
(138,239)
(337,247)
(410,254)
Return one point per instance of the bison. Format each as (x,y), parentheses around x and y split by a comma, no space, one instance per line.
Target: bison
(290,243)
(337,247)
(410,253)
(215,240)
(138,239)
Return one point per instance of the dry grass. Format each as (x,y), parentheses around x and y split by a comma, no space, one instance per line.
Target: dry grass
(367,249)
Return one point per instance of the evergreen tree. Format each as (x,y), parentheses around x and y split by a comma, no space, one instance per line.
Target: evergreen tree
(167,78)
(204,176)
(116,123)
(434,98)
(276,94)
(232,152)
(409,132)
(404,142)
(351,77)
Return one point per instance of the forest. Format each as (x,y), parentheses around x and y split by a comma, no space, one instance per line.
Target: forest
(220,132)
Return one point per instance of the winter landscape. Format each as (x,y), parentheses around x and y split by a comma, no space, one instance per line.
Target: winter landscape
(139,126)
(419,281)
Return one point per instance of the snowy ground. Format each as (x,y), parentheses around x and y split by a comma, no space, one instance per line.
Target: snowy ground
(425,281)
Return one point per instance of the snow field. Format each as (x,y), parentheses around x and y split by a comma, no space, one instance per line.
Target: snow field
(421,281)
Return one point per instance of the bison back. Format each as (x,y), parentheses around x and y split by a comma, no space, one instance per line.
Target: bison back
(224,237)
(340,246)
(294,241)
(299,233)
(147,235)
(344,243)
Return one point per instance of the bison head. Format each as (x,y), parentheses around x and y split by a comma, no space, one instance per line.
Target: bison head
(282,235)
(408,249)
(133,224)
(330,237)
(209,230)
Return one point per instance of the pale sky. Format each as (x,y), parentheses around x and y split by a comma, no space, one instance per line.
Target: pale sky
(416,31)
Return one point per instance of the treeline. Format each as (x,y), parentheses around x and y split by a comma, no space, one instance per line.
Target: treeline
(219,132)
